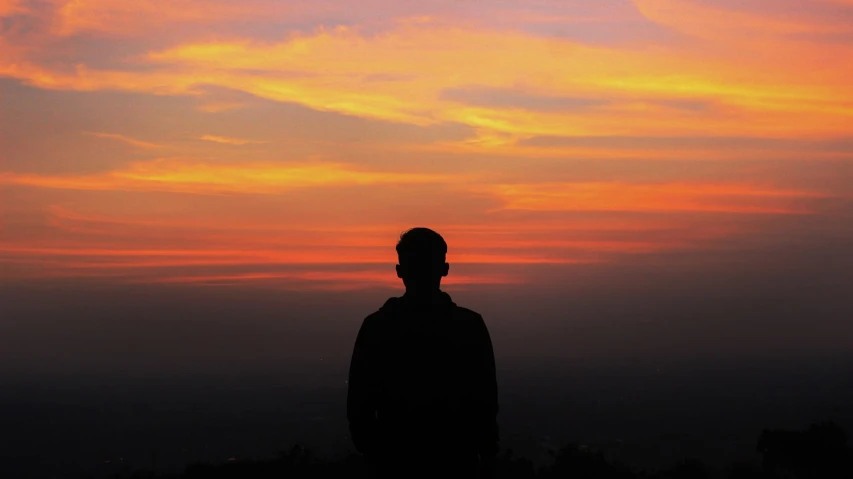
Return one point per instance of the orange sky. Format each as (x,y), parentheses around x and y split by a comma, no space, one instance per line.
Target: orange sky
(290,142)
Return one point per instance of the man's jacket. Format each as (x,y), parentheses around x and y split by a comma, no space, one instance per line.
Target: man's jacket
(423,376)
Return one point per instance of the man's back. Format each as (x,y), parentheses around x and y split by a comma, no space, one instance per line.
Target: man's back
(422,382)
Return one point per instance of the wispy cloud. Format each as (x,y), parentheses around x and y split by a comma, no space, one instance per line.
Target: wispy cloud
(122,18)
(518,82)
(127,139)
(188,176)
(568,140)
(228,140)
(672,197)
(11,7)
(739,21)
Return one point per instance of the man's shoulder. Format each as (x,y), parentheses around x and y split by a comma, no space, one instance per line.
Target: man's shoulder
(375,318)
(388,310)
(465,314)
(382,313)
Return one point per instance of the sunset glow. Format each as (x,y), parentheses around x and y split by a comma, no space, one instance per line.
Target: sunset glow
(288,143)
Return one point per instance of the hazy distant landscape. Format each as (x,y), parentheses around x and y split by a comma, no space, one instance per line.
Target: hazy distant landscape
(635,412)
(681,366)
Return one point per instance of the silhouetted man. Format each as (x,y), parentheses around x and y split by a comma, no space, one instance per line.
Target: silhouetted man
(422,396)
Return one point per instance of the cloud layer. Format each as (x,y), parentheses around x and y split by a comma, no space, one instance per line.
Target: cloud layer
(540,132)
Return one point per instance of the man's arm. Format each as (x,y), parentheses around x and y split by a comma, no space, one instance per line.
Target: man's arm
(361,404)
(487,407)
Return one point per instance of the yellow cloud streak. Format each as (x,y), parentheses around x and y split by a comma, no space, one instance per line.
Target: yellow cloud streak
(120,17)
(177,175)
(126,139)
(780,46)
(672,197)
(696,18)
(400,76)
(608,152)
(438,58)
(227,140)
(11,7)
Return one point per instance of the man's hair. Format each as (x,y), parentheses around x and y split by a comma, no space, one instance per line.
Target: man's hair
(421,245)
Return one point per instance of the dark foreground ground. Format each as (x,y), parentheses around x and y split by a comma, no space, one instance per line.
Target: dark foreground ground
(819,452)
(650,416)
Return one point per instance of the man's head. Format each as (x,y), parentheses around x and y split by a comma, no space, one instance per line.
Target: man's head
(422,255)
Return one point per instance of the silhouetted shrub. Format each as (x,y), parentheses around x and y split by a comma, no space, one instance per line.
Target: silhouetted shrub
(744,471)
(578,463)
(820,452)
(688,469)
(511,467)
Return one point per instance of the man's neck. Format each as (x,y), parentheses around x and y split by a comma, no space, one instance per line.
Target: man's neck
(423,294)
